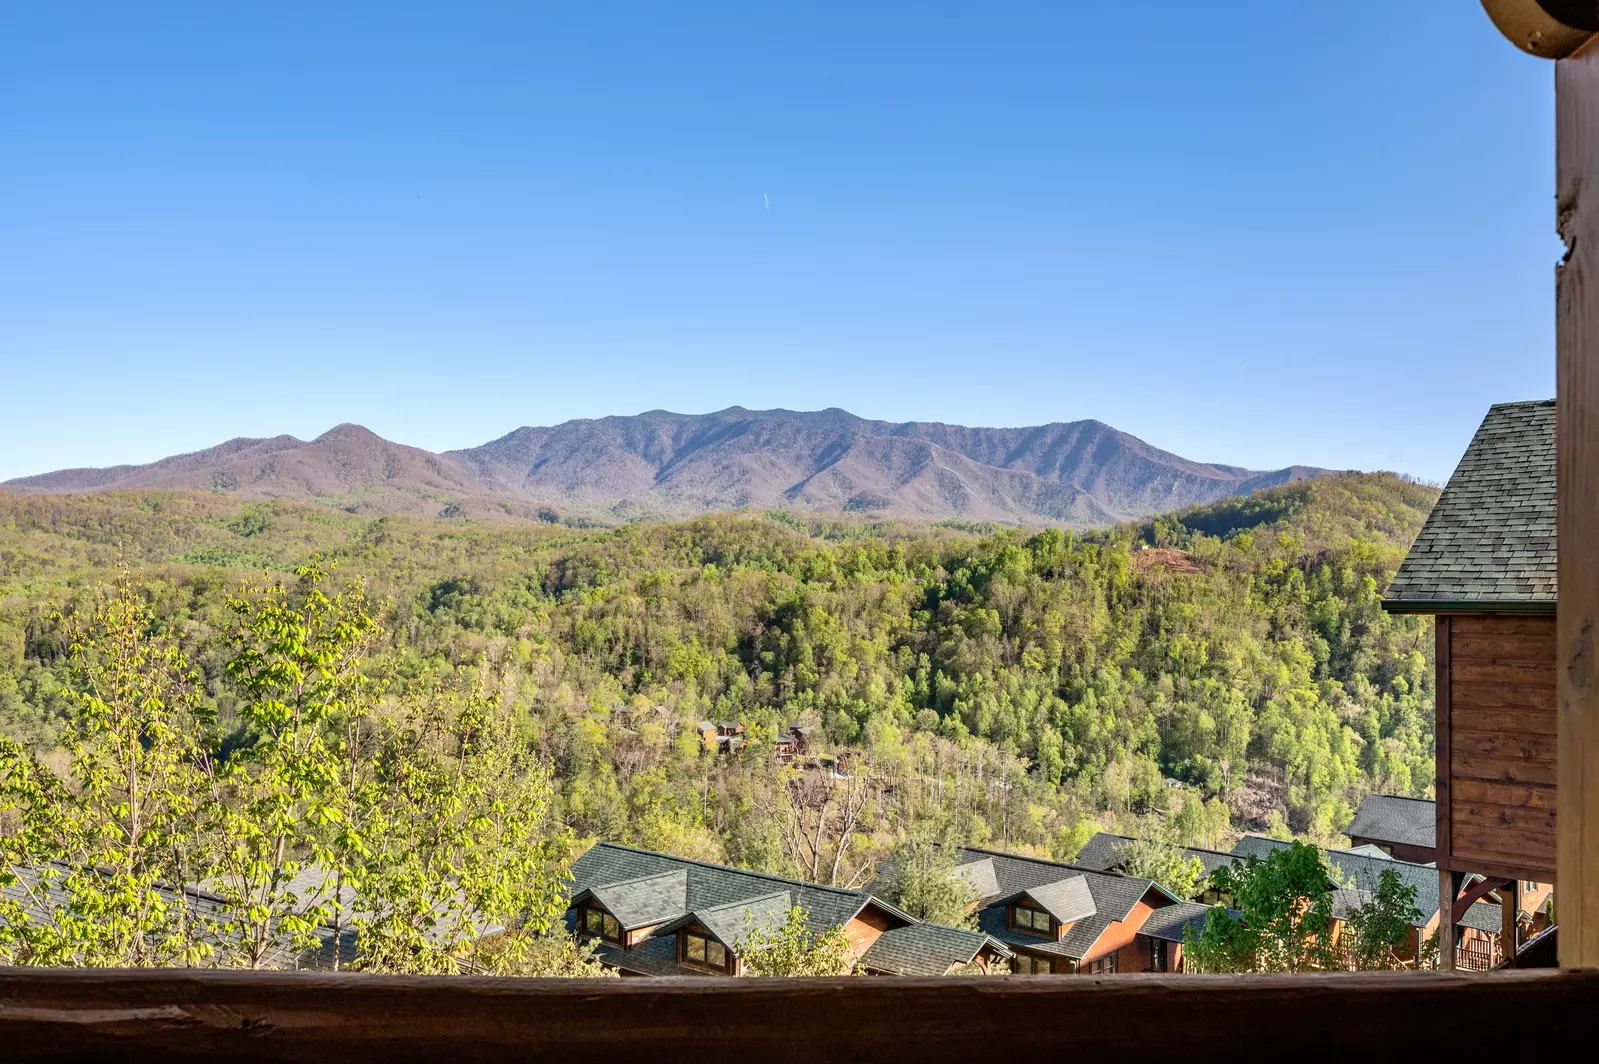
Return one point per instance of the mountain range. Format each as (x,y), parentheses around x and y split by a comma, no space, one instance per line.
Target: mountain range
(660,464)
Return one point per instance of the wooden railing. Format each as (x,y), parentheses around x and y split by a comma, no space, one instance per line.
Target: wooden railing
(172,1016)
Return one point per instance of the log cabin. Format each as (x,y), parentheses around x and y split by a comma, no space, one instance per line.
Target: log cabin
(655,914)
(1402,827)
(1484,566)
(1064,919)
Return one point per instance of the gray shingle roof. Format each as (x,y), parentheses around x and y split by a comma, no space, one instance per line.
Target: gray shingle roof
(1170,921)
(710,886)
(1067,900)
(927,949)
(1390,818)
(980,874)
(727,901)
(1490,539)
(1114,897)
(731,923)
(1484,916)
(653,956)
(644,901)
(1103,852)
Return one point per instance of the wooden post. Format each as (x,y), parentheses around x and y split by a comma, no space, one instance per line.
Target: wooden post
(1577,495)
(1509,908)
(1448,888)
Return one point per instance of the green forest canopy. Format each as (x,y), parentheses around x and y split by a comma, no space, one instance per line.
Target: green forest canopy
(1004,686)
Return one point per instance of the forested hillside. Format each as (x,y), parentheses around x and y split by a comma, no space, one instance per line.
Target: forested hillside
(1228,667)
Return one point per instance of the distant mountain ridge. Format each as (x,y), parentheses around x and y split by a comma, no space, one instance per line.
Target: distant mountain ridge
(1082,473)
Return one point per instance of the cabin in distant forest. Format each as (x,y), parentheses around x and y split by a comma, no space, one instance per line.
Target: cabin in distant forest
(1403,828)
(1484,566)
(655,914)
(1063,919)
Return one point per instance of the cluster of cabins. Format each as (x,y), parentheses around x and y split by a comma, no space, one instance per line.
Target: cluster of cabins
(655,914)
(724,738)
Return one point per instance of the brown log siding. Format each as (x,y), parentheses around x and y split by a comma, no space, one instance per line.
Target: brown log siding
(1501,726)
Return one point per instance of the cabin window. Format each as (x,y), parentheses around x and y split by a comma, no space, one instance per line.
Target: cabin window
(702,951)
(1105,965)
(599,922)
(1026,918)
(1025,964)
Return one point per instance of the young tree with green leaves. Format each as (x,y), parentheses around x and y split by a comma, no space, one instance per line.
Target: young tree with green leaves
(462,843)
(1157,856)
(920,877)
(92,850)
(275,819)
(1381,927)
(1285,907)
(789,949)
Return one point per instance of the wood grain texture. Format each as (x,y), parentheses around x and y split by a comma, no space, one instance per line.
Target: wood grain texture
(1525,746)
(1496,743)
(1507,769)
(176,1016)
(1577,501)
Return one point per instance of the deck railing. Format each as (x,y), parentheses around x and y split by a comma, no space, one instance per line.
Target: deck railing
(173,1016)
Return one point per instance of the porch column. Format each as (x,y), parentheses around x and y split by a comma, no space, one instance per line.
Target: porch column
(1577,495)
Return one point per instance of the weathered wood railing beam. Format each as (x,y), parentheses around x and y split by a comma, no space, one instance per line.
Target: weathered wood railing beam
(1577,493)
(174,1016)
(1568,31)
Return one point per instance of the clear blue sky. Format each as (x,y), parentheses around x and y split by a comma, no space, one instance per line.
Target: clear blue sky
(1317,233)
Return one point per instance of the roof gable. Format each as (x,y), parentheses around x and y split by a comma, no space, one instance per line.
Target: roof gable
(644,901)
(732,923)
(1067,900)
(1490,539)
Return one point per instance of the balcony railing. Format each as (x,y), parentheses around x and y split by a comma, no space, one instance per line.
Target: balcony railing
(177,1015)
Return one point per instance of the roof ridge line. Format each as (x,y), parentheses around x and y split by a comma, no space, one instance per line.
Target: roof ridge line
(1080,869)
(730,868)
(741,901)
(1196,849)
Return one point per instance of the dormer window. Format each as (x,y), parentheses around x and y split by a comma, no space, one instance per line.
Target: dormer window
(1024,917)
(601,923)
(699,950)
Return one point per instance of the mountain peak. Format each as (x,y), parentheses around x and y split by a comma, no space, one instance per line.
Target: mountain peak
(349,431)
(659,463)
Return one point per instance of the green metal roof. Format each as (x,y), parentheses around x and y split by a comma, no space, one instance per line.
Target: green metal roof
(1489,543)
